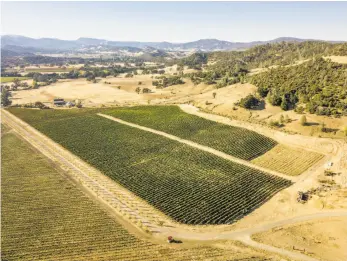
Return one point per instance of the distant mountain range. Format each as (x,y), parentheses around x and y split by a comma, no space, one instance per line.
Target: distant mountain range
(22,44)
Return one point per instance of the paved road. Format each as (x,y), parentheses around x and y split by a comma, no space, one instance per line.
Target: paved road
(200,147)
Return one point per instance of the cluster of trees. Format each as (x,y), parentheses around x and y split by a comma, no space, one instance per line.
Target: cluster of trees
(320,84)
(144,90)
(221,78)
(59,61)
(164,81)
(194,61)
(9,74)
(90,73)
(5,97)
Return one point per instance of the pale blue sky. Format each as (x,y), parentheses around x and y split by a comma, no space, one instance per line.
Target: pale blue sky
(176,21)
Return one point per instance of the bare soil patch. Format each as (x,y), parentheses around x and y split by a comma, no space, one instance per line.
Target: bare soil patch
(324,239)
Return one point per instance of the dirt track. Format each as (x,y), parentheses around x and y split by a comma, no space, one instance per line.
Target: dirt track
(123,201)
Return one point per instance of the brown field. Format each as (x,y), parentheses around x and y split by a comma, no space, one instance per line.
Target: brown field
(324,239)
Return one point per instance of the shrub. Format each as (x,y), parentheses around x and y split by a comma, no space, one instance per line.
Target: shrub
(249,102)
(273,123)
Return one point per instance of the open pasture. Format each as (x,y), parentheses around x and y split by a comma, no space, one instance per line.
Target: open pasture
(46,217)
(188,185)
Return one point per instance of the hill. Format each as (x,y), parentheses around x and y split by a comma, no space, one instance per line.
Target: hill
(202,44)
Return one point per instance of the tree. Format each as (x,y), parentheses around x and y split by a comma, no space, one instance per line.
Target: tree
(249,102)
(91,77)
(16,82)
(138,90)
(34,84)
(273,123)
(5,100)
(303,120)
(214,95)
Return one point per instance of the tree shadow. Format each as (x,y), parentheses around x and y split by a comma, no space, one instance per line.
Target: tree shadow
(176,241)
(330,130)
(312,124)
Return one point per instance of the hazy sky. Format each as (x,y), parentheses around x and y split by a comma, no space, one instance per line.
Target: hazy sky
(176,21)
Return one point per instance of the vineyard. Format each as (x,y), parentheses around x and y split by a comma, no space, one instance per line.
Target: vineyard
(45,217)
(187,184)
(237,142)
(290,161)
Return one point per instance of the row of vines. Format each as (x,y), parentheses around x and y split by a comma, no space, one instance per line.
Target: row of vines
(45,217)
(238,142)
(187,184)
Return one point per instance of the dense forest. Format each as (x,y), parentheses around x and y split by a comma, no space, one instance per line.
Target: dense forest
(320,84)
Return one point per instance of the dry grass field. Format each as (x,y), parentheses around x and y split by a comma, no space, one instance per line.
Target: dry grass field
(324,239)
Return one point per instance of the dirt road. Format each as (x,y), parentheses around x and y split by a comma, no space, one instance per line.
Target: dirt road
(200,147)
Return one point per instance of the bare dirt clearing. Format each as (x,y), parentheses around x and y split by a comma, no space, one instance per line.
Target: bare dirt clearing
(324,239)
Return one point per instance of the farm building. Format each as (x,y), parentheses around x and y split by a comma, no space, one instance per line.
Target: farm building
(59,102)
